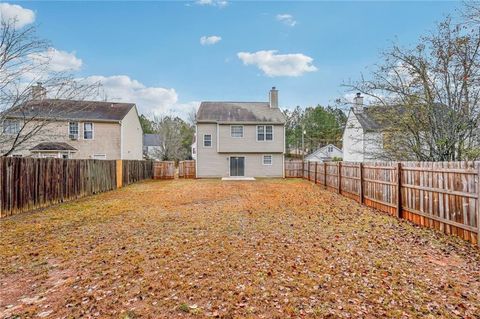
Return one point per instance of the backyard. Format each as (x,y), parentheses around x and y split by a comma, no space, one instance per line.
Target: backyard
(207,248)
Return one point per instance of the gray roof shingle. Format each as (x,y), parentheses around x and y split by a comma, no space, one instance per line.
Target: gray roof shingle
(152,139)
(239,112)
(72,110)
(53,146)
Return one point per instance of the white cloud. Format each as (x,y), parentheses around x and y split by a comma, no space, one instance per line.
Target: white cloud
(15,12)
(208,40)
(215,3)
(273,64)
(287,19)
(57,60)
(149,100)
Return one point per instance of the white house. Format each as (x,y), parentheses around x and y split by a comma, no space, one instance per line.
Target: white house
(325,154)
(240,139)
(362,137)
(152,146)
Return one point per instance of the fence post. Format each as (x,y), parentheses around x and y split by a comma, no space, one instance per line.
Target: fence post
(303,169)
(308,168)
(339,177)
(119,167)
(399,190)
(478,204)
(316,169)
(361,182)
(325,174)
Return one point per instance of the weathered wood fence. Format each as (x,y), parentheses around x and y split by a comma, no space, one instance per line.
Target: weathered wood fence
(443,196)
(135,171)
(31,183)
(186,169)
(164,170)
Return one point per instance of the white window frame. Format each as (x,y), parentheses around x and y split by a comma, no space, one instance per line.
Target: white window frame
(211,141)
(236,126)
(78,129)
(271,160)
(330,149)
(265,133)
(93,131)
(7,128)
(103,156)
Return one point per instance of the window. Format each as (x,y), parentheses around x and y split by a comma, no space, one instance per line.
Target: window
(265,133)
(73,130)
(330,149)
(11,127)
(99,156)
(267,160)
(207,140)
(236,131)
(88,131)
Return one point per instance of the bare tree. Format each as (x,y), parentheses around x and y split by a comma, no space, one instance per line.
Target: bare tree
(426,98)
(23,65)
(175,138)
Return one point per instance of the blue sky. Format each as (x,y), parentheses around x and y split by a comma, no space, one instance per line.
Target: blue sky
(151,51)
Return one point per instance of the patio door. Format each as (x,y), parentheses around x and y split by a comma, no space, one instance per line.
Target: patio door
(237,166)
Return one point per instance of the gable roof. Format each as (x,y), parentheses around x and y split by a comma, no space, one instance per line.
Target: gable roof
(53,146)
(239,112)
(379,117)
(152,139)
(322,153)
(72,110)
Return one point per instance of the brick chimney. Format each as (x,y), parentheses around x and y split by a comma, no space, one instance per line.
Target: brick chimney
(38,92)
(358,103)
(273,98)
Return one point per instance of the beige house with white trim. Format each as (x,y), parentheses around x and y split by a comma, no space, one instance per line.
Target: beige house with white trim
(75,129)
(240,139)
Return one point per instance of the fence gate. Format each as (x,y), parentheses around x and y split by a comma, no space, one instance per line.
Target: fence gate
(186,169)
(164,170)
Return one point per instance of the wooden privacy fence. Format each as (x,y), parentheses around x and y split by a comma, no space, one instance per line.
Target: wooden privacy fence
(293,169)
(164,170)
(186,169)
(31,183)
(443,195)
(28,183)
(134,171)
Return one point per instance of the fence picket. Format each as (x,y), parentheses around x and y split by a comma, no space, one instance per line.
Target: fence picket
(443,196)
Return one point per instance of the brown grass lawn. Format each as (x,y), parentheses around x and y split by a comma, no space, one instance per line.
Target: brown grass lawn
(198,248)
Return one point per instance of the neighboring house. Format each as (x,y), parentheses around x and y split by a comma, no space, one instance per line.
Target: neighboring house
(75,129)
(325,154)
(194,147)
(237,139)
(362,137)
(152,146)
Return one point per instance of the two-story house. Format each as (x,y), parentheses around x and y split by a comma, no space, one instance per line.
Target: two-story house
(74,129)
(240,139)
(362,136)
